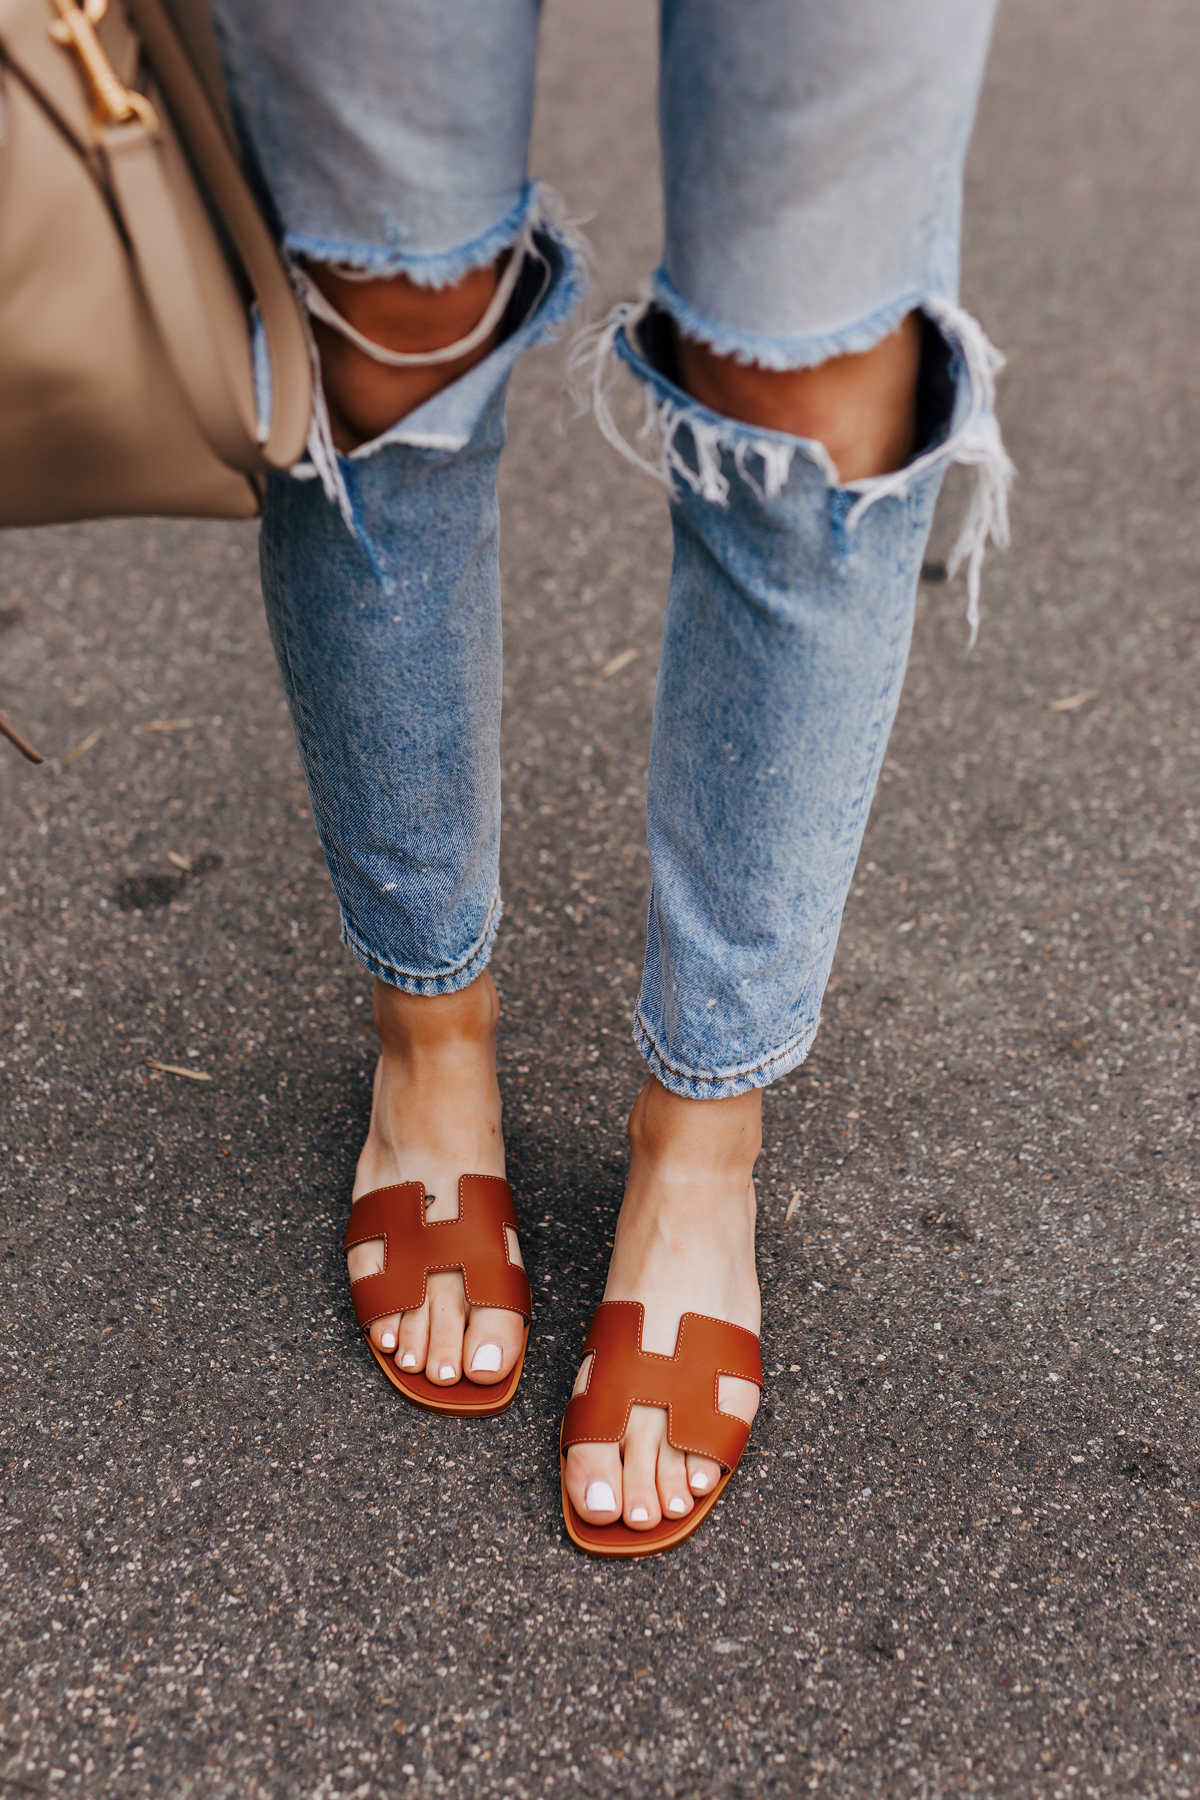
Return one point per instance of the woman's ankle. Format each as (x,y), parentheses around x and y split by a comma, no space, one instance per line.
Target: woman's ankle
(412,1025)
(436,1112)
(721,1137)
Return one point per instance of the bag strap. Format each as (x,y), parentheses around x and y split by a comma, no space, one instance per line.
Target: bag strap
(200,354)
(191,21)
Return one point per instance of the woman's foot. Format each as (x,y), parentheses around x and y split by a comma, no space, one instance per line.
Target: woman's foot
(684,1243)
(436,1116)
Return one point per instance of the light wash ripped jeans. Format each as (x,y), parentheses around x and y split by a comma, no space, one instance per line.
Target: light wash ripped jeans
(812,161)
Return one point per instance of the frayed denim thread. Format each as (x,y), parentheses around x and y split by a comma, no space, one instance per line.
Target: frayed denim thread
(439,269)
(444,424)
(973,438)
(781,353)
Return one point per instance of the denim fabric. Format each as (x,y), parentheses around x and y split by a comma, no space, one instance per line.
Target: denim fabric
(392,135)
(388,640)
(783,656)
(812,164)
(812,149)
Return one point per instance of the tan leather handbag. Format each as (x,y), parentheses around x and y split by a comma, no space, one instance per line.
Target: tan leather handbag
(131,252)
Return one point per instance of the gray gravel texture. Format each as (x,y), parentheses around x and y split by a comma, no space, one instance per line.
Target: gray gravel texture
(960,1556)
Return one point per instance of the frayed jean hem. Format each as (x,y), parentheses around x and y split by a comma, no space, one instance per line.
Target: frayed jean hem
(445,424)
(767,351)
(432,269)
(443,981)
(973,435)
(693,1085)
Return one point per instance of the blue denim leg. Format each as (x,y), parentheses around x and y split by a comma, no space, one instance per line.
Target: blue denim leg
(784,649)
(389,647)
(812,160)
(388,640)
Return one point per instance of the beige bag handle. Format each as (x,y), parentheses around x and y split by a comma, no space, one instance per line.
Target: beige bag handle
(218,384)
(191,21)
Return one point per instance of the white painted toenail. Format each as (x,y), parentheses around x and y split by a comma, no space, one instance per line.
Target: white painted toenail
(446,1372)
(388,1340)
(638,1516)
(676,1505)
(487,1357)
(408,1360)
(699,1482)
(600,1498)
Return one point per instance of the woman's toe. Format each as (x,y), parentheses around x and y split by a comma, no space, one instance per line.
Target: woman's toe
(363,1260)
(643,1438)
(673,1495)
(594,1482)
(446,1323)
(703,1475)
(384,1334)
(412,1340)
(492,1343)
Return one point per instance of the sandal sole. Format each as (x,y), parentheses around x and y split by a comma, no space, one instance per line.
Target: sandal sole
(620,1540)
(464,1399)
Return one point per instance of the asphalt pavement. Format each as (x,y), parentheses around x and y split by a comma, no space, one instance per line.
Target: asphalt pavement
(960,1555)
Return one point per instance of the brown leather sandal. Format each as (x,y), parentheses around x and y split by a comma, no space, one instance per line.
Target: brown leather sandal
(623,1375)
(475,1243)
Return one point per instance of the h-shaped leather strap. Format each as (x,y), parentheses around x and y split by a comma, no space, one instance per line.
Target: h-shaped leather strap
(475,1242)
(623,1375)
